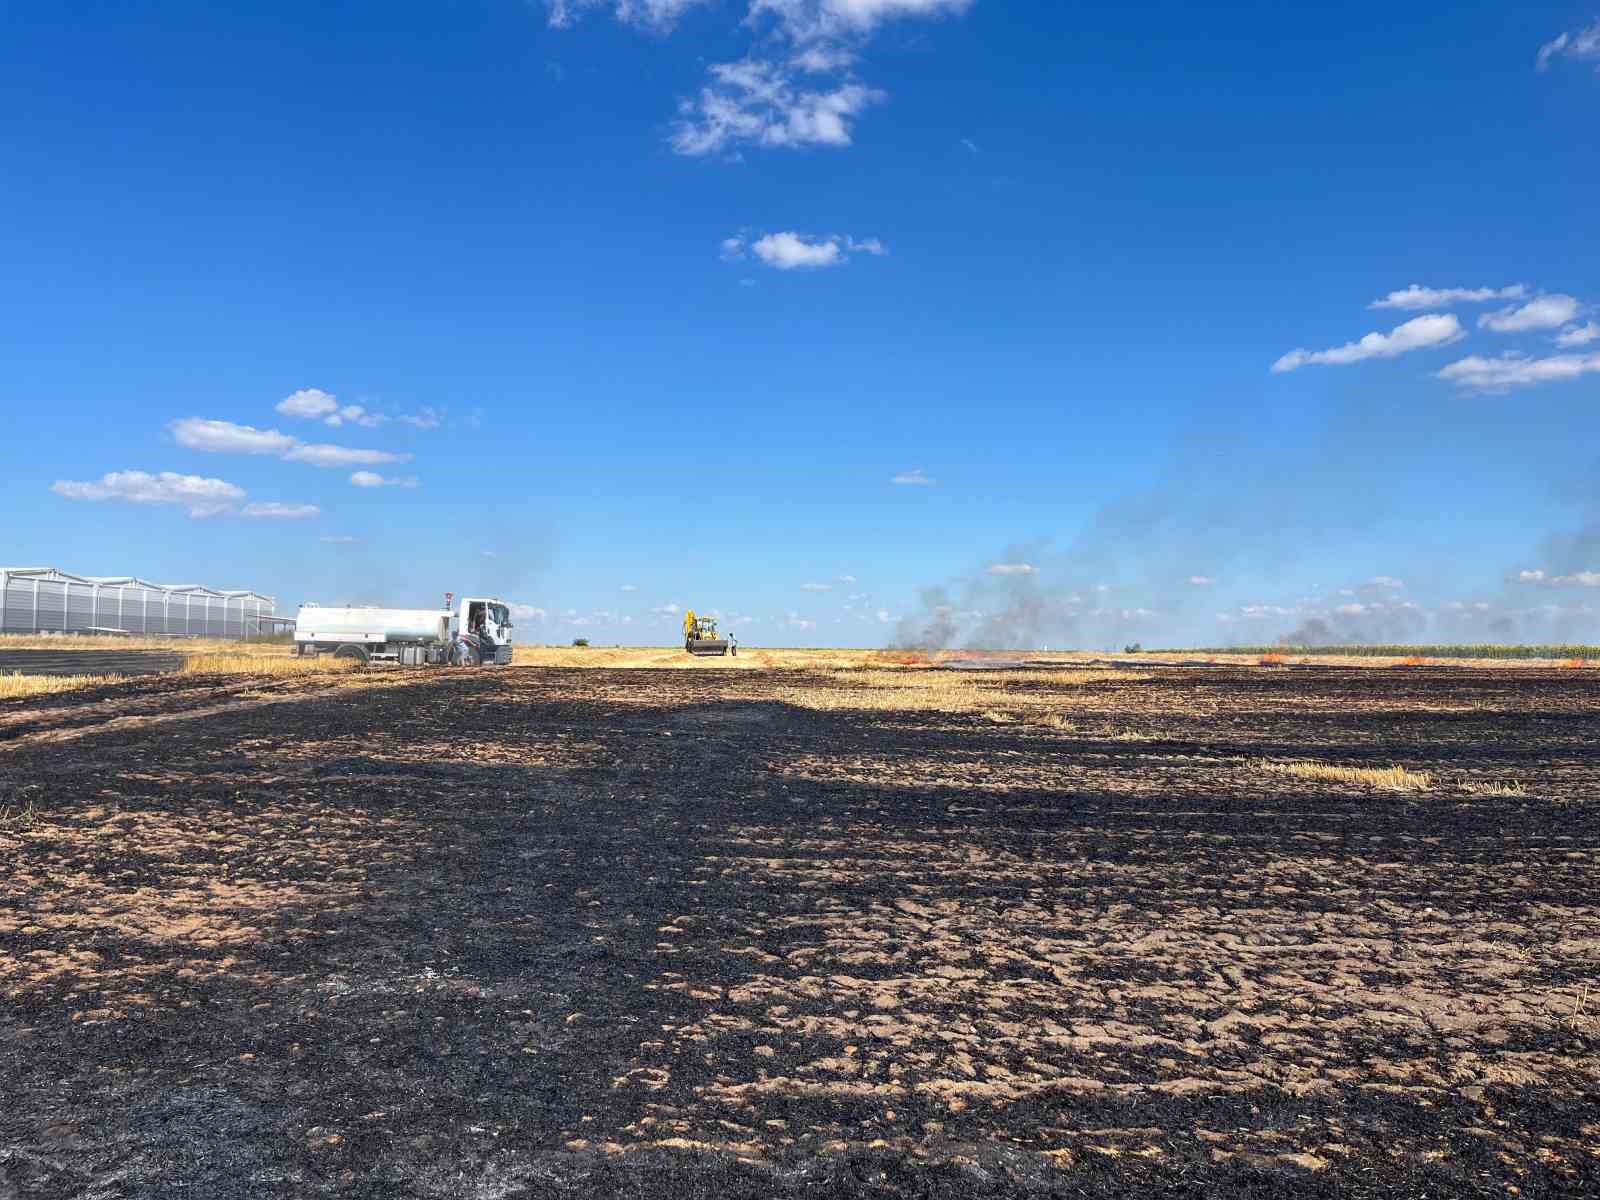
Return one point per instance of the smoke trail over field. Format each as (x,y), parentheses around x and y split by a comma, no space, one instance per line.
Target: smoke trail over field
(1149,566)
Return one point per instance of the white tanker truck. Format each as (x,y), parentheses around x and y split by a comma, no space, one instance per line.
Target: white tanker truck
(476,632)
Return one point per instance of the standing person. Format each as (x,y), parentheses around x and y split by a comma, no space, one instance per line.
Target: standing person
(733,644)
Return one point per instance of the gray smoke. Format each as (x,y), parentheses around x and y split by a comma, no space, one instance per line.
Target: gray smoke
(1224,509)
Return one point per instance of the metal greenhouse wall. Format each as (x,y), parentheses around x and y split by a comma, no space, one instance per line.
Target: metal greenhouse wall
(47,600)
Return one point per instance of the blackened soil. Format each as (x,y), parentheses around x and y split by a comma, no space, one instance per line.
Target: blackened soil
(703,934)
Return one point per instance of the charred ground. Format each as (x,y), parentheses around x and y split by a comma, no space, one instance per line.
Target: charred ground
(705,933)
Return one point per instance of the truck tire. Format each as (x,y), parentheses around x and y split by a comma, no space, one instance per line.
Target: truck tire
(356,652)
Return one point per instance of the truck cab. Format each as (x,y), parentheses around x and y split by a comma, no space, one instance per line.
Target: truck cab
(483,627)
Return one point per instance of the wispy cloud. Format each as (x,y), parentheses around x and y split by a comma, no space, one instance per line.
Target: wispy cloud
(666,610)
(1518,370)
(655,15)
(1416,297)
(788,250)
(816,587)
(1419,333)
(1201,580)
(1575,579)
(1012,569)
(1582,45)
(198,495)
(630,587)
(798,92)
(324,455)
(811,20)
(371,479)
(913,478)
(273,510)
(1578,335)
(338,539)
(424,418)
(314,404)
(528,612)
(1544,312)
(226,437)
(758,102)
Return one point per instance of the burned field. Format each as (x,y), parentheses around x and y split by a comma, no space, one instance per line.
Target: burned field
(755,933)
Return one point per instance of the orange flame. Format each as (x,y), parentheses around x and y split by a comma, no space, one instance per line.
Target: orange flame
(1416,660)
(903,658)
(1274,660)
(1575,664)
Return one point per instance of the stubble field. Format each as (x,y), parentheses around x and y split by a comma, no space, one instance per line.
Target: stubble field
(790,926)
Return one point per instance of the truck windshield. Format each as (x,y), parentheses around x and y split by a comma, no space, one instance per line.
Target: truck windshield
(499,614)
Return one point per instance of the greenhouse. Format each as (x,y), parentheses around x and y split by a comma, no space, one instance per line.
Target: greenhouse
(47,600)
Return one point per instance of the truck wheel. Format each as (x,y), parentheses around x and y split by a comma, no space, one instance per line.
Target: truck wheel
(355,652)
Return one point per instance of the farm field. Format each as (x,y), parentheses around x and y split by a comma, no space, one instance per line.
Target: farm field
(792,924)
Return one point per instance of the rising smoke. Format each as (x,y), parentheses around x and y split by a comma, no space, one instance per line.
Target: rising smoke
(1226,509)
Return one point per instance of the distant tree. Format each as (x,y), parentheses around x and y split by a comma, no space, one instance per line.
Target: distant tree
(1133,649)
(580,641)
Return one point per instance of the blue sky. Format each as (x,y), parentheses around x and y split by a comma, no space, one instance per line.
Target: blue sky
(853,320)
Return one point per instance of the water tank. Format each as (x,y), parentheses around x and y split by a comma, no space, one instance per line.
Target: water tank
(367,625)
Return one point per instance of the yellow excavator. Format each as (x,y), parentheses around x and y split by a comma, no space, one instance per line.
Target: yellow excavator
(700,635)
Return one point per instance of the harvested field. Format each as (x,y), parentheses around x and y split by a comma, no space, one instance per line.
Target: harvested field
(774,930)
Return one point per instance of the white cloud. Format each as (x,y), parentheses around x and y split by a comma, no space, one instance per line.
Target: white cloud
(314,404)
(757,102)
(528,612)
(311,404)
(666,610)
(844,578)
(1575,579)
(884,617)
(788,250)
(1578,335)
(1517,370)
(323,455)
(338,539)
(488,554)
(1013,569)
(913,478)
(371,479)
(273,510)
(1544,312)
(426,418)
(656,15)
(198,495)
(816,587)
(823,60)
(1417,297)
(808,20)
(1387,583)
(1419,333)
(1582,45)
(224,437)
(1201,580)
(354,414)
(630,587)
